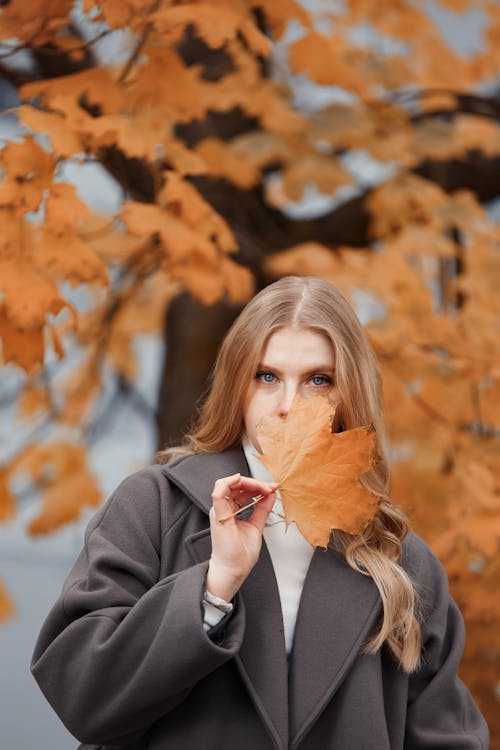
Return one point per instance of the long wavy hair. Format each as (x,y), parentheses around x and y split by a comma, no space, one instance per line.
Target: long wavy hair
(314,304)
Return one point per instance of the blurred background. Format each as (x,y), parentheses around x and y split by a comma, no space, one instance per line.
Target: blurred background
(161,162)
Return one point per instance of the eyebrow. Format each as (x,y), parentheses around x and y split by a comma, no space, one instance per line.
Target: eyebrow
(319,368)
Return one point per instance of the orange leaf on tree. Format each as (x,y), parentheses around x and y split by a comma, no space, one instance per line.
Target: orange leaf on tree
(64,140)
(63,254)
(238,280)
(7,504)
(7,608)
(214,24)
(29,170)
(67,484)
(183,200)
(22,346)
(33,400)
(223,161)
(96,86)
(180,241)
(319,471)
(17,275)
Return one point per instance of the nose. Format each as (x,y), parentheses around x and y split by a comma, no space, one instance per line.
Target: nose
(287,397)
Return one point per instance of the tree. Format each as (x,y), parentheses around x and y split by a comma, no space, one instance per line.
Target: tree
(206,126)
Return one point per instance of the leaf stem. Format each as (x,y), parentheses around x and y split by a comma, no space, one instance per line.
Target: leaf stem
(253,502)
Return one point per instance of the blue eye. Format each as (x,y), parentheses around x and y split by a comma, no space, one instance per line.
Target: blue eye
(319,380)
(266,377)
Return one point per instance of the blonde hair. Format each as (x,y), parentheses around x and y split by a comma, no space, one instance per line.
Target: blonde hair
(312,303)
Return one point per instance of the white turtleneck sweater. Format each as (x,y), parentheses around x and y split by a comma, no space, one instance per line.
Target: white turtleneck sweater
(290,554)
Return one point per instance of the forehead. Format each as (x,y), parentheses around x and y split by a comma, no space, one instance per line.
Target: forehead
(304,345)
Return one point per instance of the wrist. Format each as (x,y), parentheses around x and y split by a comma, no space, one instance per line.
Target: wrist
(222,584)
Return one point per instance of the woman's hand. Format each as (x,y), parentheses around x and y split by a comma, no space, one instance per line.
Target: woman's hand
(236,544)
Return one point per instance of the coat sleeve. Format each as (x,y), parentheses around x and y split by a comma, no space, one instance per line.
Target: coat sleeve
(441,712)
(120,648)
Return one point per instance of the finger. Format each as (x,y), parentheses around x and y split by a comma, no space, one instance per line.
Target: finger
(231,492)
(262,510)
(247,486)
(222,494)
(224,484)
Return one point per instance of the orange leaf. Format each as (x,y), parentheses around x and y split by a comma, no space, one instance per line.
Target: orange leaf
(406,199)
(7,505)
(24,347)
(38,18)
(27,311)
(64,206)
(318,471)
(7,608)
(96,86)
(143,219)
(183,94)
(32,400)
(119,14)
(68,484)
(109,243)
(66,256)
(223,161)
(182,199)
(65,142)
(201,279)
(336,60)
(325,171)
(28,173)
(183,159)
(304,259)
(143,134)
(238,280)
(262,148)
(64,501)
(216,25)
(422,240)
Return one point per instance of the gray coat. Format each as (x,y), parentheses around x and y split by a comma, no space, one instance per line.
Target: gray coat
(124,660)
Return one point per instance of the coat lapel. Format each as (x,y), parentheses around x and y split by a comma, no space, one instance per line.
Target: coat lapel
(337,611)
(262,658)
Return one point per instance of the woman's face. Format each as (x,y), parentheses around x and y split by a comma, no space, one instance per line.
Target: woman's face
(293,361)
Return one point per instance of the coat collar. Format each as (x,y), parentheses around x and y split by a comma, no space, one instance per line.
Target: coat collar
(195,474)
(337,611)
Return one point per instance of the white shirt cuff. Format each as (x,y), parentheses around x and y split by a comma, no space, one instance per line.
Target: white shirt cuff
(211,616)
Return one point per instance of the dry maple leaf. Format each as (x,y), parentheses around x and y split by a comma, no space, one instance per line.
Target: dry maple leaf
(318,471)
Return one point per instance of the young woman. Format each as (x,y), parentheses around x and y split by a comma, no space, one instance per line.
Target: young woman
(176,631)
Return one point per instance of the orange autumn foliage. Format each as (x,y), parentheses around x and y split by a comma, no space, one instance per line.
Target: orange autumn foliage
(318,471)
(7,608)
(68,484)
(426,267)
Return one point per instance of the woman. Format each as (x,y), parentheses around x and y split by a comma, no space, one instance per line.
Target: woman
(177,631)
